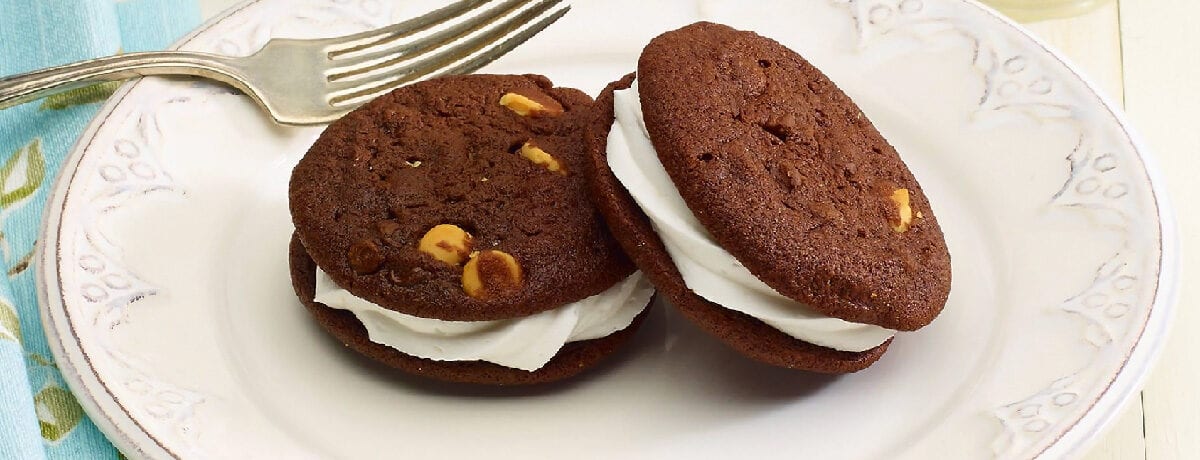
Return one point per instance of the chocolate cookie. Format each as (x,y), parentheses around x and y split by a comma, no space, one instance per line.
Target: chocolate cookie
(789,177)
(393,199)
(743,333)
(573,359)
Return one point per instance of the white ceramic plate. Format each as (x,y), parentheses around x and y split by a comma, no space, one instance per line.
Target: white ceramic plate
(167,298)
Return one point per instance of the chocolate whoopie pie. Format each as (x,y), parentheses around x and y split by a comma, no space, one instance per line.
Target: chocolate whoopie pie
(763,203)
(445,229)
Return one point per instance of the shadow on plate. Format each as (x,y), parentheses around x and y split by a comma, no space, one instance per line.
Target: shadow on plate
(667,351)
(435,387)
(716,371)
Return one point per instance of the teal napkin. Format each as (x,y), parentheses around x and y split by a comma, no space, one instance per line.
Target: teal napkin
(39,418)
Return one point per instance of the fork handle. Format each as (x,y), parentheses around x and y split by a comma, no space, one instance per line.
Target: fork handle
(22,88)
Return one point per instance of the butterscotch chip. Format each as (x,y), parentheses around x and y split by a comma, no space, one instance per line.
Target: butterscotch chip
(538,156)
(491,274)
(904,212)
(531,106)
(447,243)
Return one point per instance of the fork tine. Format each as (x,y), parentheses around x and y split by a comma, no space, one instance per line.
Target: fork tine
(366,92)
(389,55)
(493,29)
(445,55)
(362,40)
(487,56)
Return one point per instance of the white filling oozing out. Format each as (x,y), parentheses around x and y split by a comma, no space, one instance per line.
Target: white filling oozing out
(526,343)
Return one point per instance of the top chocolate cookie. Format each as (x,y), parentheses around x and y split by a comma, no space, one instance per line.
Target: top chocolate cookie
(790,177)
(495,156)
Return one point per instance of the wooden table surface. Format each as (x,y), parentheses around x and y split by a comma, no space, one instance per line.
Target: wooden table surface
(1145,54)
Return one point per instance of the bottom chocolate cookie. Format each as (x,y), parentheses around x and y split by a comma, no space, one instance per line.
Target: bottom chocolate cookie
(573,359)
(633,230)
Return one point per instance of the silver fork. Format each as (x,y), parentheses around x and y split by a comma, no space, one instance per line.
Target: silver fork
(304,82)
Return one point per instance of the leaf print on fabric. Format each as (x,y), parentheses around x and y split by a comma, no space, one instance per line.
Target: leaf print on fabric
(31,177)
(10,324)
(90,94)
(23,263)
(41,360)
(58,412)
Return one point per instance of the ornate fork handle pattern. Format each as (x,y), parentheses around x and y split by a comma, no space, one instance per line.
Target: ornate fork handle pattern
(22,88)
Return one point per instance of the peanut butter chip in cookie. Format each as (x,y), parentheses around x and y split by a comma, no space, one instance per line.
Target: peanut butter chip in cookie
(531,106)
(904,211)
(447,243)
(491,273)
(535,154)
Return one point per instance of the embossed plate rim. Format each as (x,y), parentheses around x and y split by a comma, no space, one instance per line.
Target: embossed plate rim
(1145,353)
(113,419)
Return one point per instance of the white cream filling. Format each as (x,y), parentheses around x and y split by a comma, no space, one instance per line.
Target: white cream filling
(526,343)
(708,269)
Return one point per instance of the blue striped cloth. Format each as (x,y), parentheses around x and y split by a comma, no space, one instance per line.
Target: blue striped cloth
(39,418)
